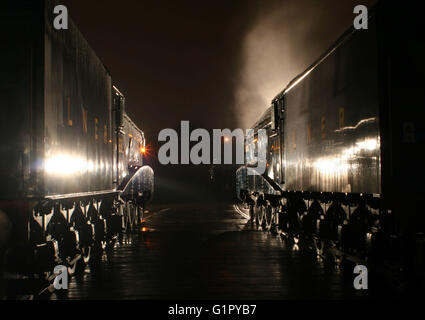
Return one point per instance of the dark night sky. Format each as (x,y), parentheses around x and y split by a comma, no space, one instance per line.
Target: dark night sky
(215,63)
(174,60)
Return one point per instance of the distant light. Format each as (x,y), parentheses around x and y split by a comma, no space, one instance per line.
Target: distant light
(142,150)
(144,229)
(226,139)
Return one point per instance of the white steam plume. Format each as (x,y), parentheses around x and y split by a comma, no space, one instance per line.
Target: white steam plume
(285,39)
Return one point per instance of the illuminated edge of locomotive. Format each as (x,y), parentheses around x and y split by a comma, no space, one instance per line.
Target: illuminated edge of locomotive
(333,146)
(72,172)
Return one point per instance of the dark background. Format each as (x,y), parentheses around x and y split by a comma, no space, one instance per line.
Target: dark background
(217,64)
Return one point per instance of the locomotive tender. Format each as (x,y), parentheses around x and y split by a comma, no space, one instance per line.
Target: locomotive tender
(344,141)
(71,173)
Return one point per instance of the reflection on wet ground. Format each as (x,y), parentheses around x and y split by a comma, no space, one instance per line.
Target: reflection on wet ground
(210,252)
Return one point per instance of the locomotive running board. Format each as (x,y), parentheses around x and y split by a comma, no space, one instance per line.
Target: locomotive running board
(93,194)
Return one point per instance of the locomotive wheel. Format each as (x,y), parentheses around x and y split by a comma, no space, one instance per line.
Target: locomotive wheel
(126,228)
(86,253)
(96,253)
(263,210)
(128,225)
(260,216)
(268,217)
(251,213)
(130,218)
(140,215)
(255,212)
(83,261)
(72,268)
(80,266)
(110,244)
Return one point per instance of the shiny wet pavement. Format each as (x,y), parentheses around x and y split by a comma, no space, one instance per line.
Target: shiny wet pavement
(209,251)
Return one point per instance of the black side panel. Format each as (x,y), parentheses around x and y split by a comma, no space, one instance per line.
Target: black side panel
(332,140)
(402,92)
(21,96)
(78,146)
(56,106)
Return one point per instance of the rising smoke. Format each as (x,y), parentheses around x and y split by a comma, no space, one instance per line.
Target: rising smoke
(285,38)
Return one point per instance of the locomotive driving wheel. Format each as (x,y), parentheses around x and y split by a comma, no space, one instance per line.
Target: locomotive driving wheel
(72,266)
(86,253)
(83,261)
(129,218)
(251,213)
(259,213)
(268,216)
(255,213)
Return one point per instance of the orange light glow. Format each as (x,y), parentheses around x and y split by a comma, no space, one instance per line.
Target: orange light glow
(144,229)
(226,139)
(142,150)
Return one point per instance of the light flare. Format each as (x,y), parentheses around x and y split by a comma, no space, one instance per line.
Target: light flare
(65,165)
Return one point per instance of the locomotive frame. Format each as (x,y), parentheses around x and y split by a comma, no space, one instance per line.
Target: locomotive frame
(344,143)
(72,172)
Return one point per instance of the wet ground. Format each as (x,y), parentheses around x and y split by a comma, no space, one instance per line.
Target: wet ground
(209,251)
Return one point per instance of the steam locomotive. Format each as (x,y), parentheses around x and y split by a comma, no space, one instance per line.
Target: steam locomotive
(344,142)
(72,174)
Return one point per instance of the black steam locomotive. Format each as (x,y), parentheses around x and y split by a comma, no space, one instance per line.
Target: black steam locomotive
(344,143)
(71,160)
